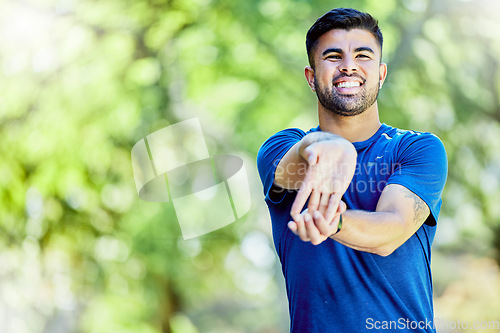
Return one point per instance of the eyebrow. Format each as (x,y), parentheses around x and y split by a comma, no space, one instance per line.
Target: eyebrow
(331,50)
(337,50)
(364,48)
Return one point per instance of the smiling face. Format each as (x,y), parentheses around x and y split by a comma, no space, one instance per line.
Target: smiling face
(347,72)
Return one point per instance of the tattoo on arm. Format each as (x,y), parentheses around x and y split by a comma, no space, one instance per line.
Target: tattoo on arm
(420,209)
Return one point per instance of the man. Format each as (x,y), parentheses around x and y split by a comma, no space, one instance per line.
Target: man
(358,257)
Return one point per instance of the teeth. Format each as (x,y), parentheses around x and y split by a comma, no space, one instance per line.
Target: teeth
(348,84)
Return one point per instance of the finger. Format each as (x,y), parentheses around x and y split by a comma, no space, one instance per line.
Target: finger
(300,199)
(312,231)
(314,201)
(293,227)
(332,207)
(342,207)
(323,203)
(301,229)
(321,225)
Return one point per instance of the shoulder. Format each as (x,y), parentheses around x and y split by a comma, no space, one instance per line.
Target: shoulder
(289,132)
(273,149)
(281,138)
(421,153)
(414,141)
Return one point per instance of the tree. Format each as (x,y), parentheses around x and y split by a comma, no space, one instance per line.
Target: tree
(82,82)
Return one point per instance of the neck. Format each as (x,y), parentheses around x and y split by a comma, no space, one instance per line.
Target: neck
(355,128)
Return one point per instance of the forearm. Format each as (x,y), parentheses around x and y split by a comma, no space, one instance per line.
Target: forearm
(375,232)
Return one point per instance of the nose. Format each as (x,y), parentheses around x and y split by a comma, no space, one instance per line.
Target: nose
(348,66)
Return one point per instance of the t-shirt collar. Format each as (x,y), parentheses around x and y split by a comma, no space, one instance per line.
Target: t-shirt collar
(362,144)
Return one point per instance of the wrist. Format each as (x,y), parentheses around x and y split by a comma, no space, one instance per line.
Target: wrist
(313,138)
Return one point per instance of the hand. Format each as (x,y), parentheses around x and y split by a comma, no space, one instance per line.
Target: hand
(313,227)
(331,167)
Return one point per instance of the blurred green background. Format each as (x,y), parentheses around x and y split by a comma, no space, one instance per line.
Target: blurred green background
(82,81)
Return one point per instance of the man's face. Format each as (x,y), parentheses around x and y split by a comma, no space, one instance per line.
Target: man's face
(347,74)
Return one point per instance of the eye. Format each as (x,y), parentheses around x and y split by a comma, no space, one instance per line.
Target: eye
(364,56)
(333,57)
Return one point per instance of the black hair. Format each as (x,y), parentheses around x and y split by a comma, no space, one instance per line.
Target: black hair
(341,18)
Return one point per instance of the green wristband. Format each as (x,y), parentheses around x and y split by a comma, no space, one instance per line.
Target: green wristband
(339,226)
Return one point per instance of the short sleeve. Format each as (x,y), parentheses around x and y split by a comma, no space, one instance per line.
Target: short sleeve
(270,154)
(422,167)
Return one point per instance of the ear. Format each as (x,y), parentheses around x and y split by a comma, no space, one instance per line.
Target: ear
(382,73)
(309,73)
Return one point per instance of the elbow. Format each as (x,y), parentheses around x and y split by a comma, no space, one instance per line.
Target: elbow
(388,247)
(383,253)
(385,250)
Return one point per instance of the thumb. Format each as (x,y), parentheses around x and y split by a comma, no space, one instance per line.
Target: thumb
(310,155)
(342,207)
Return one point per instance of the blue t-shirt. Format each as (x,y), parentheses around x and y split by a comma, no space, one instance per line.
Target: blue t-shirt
(334,288)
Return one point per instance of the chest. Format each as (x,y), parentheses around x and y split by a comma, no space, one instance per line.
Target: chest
(374,167)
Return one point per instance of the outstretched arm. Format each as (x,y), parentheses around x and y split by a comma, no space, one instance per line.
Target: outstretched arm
(320,166)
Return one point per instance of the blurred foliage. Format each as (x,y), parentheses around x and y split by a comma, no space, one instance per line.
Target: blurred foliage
(83,81)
